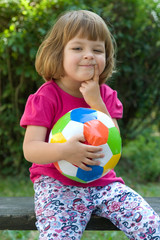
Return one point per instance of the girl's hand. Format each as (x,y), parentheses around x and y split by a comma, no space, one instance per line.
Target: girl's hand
(80,154)
(36,150)
(91,91)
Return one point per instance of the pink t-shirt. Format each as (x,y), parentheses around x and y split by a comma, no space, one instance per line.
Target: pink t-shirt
(46,106)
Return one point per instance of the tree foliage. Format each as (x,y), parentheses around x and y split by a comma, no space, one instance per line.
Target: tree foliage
(23,23)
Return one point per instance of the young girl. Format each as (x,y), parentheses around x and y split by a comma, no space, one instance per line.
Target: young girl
(75,59)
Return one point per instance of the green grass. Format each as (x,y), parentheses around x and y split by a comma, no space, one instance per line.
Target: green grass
(104,235)
(88,235)
(18,187)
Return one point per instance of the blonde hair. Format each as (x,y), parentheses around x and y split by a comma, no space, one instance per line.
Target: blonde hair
(49,58)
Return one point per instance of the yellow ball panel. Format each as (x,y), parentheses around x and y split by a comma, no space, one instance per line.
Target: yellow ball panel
(58,138)
(111,163)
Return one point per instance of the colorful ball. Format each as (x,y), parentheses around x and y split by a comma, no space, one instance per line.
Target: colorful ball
(98,129)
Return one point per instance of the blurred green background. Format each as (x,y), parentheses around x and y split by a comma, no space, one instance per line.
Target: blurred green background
(135,25)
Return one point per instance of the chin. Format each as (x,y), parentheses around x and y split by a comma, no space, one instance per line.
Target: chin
(87,77)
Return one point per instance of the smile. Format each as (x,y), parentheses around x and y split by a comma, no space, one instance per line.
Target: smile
(87,65)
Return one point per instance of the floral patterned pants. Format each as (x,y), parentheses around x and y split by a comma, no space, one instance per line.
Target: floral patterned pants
(63,211)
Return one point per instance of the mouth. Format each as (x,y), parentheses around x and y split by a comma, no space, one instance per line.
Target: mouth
(87,65)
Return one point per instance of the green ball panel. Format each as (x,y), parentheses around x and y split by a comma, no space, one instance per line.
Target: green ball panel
(114,140)
(61,123)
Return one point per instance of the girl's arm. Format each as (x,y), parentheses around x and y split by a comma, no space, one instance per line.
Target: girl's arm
(36,150)
(91,92)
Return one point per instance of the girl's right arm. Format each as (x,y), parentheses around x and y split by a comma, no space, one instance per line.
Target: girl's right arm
(36,150)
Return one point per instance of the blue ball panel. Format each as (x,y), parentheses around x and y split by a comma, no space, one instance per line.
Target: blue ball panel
(83,115)
(88,176)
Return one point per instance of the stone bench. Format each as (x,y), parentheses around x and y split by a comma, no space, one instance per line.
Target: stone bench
(17,213)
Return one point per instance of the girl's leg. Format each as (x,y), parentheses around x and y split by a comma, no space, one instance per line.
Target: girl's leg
(128,211)
(62,211)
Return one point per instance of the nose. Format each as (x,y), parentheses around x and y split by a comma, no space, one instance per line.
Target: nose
(88,55)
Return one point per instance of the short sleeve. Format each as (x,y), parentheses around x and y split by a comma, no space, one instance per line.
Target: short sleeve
(113,104)
(38,111)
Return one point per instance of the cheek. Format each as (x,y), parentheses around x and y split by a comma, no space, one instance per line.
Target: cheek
(71,61)
(102,64)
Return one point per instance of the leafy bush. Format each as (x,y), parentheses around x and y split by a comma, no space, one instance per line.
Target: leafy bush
(135,26)
(23,25)
(140,158)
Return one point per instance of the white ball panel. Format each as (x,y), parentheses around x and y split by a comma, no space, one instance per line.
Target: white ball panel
(108,154)
(67,168)
(106,120)
(50,136)
(72,128)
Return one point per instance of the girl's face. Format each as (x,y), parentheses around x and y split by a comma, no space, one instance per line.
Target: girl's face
(80,56)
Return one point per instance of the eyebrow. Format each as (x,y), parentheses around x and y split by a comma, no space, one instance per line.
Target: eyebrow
(96,44)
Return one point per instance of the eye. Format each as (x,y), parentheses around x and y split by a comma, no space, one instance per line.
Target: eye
(77,48)
(98,50)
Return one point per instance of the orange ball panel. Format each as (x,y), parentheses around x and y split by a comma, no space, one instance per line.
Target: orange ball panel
(57,166)
(95,133)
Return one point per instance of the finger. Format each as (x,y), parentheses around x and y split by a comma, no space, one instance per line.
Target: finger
(95,155)
(80,138)
(84,167)
(92,162)
(85,83)
(96,73)
(82,87)
(94,149)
